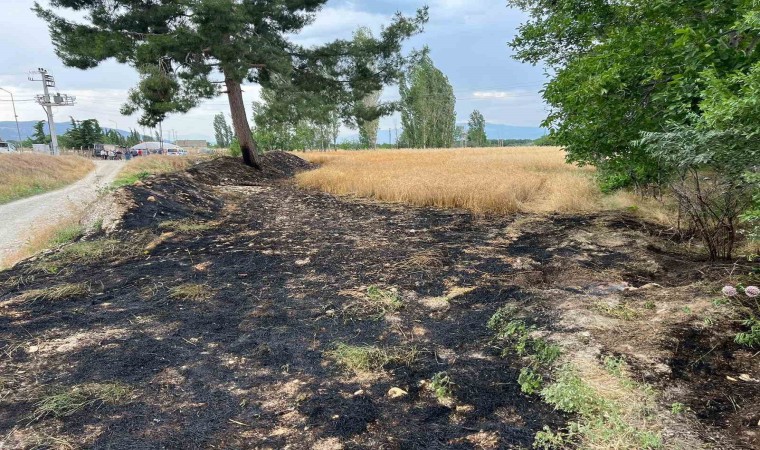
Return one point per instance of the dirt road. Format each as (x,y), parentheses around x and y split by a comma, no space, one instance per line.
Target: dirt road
(19,219)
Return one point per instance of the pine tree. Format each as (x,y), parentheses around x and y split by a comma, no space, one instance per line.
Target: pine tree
(39,136)
(183,47)
(427,107)
(476,130)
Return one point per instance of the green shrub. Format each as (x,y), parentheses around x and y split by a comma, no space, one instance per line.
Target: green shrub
(441,385)
(530,382)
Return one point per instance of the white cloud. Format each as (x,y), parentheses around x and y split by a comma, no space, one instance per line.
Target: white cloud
(339,22)
(498,95)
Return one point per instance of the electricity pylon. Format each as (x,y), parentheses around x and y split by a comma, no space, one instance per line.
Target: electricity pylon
(47,102)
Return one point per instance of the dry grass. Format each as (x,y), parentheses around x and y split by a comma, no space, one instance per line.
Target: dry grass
(191,291)
(42,238)
(56,293)
(71,400)
(26,174)
(139,168)
(488,181)
(370,359)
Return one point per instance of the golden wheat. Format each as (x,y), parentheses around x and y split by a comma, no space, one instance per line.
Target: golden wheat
(482,180)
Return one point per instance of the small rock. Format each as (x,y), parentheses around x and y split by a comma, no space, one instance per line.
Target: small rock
(336,417)
(395,393)
(359,393)
(33,349)
(151,198)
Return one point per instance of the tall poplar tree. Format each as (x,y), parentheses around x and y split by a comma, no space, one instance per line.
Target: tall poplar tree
(427,106)
(368,128)
(222,131)
(197,45)
(476,130)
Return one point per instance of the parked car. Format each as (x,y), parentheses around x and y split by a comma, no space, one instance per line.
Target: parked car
(7,147)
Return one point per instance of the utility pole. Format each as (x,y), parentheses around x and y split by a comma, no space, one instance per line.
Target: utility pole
(13,102)
(47,102)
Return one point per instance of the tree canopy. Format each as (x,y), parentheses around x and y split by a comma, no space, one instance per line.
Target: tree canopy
(184,50)
(623,68)
(427,106)
(476,130)
(222,132)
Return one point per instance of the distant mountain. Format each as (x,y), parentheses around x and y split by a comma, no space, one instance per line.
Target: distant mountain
(8,129)
(499,131)
(493,130)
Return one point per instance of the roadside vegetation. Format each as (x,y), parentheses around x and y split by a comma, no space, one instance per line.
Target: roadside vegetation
(27,174)
(142,167)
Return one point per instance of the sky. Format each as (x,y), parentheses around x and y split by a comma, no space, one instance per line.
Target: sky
(467,40)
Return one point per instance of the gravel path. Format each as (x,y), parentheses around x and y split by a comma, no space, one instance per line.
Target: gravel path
(20,219)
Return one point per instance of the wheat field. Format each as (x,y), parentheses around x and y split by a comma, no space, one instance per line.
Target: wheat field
(481,180)
(26,174)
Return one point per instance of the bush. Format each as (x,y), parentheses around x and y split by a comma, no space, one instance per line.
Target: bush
(235,150)
(713,177)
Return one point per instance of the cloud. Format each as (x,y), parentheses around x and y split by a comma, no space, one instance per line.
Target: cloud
(498,95)
(339,22)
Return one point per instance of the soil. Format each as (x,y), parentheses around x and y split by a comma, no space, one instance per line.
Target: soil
(287,273)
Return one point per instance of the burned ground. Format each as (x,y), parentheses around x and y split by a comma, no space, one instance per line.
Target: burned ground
(285,276)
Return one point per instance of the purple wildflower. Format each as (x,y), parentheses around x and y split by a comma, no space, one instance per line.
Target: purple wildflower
(752,291)
(729,291)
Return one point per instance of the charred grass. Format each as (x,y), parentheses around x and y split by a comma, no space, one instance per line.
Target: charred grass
(273,360)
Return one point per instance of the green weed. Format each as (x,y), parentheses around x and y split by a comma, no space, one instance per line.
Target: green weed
(388,298)
(530,382)
(66,234)
(441,386)
(621,311)
(602,423)
(751,337)
(614,366)
(677,408)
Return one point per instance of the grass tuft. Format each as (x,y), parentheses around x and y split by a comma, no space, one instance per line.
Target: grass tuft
(56,293)
(185,226)
(620,311)
(65,403)
(191,291)
(138,169)
(387,300)
(370,359)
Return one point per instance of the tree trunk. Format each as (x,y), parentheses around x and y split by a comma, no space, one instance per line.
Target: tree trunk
(240,124)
